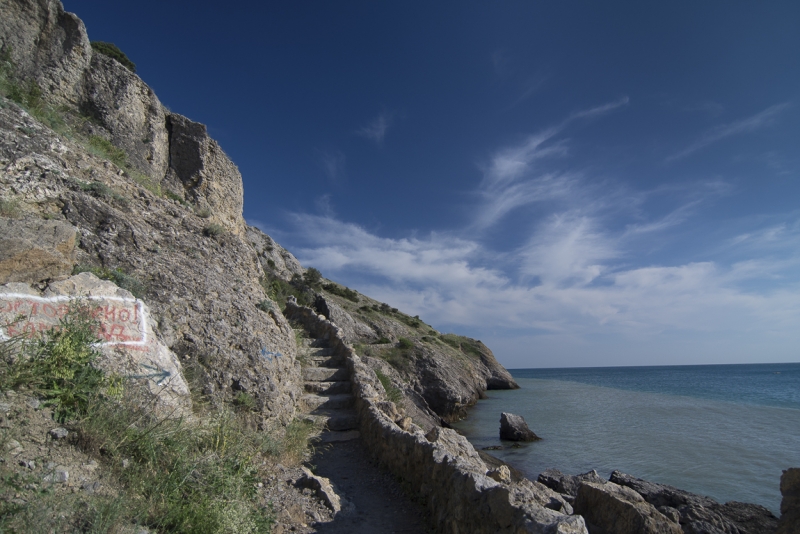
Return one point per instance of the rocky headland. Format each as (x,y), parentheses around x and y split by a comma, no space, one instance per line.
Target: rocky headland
(108,198)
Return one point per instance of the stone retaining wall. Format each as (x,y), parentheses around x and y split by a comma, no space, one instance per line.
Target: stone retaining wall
(441,468)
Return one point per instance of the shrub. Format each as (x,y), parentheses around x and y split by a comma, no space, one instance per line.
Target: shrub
(111,50)
(58,367)
(382,341)
(271,263)
(265,305)
(345,292)
(9,208)
(213,230)
(405,343)
(203,213)
(312,277)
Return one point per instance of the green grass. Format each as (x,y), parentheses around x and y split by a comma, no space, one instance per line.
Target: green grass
(102,147)
(168,475)
(392,393)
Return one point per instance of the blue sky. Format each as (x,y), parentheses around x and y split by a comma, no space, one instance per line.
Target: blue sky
(574,183)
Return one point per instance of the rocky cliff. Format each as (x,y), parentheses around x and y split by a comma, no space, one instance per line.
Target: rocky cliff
(156,206)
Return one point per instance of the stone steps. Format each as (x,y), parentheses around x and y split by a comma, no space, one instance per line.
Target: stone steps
(325,374)
(328,402)
(328,398)
(328,388)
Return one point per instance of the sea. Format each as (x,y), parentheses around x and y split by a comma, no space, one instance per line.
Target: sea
(725,431)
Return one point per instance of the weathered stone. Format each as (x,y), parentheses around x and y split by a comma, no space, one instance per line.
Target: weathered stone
(48,46)
(200,169)
(702,515)
(323,489)
(612,509)
(58,475)
(32,250)
(58,433)
(129,343)
(514,428)
(131,114)
(790,503)
(567,484)
(500,474)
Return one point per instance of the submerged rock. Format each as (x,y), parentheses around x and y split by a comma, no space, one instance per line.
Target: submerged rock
(514,428)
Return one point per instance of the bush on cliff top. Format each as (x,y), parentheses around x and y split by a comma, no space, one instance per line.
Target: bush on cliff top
(111,50)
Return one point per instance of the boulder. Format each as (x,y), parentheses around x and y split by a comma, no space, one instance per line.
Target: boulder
(32,250)
(322,487)
(514,428)
(613,509)
(699,514)
(790,504)
(567,484)
(129,345)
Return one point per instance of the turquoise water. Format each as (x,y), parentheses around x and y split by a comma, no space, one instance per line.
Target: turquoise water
(725,431)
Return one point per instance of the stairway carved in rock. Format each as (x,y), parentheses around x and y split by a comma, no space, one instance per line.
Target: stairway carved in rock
(328,400)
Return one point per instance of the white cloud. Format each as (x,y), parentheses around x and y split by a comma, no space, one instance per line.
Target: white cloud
(517,176)
(757,121)
(377,127)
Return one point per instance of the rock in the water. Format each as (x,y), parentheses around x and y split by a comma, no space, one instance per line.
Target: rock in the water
(700,514)
(32,250)
(790,504)
(612,509)
(514,428)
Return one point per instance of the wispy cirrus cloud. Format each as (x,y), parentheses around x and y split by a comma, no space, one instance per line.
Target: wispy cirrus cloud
(718,133)
(517,176)
(376,129)
(333,163)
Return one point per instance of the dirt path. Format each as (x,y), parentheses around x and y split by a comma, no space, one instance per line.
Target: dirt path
(380,504)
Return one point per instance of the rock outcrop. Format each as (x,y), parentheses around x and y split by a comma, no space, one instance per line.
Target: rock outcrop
(567,485)
(612,509)
(514,428)
(153,246)
(446,373)
(701,514)
(33,250)
(790,504)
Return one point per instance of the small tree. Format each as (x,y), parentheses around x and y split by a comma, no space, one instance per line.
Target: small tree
(312,278)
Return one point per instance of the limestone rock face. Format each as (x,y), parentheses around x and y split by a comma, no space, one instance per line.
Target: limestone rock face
(790,504)
(129,112)
(513,427)
(272,256)
(49,46)
(202,290)
(698,514)
(128,340)
(32,250)
(612,509)
(199,168)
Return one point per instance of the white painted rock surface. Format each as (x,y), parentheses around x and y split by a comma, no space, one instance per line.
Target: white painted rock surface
(128,343)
